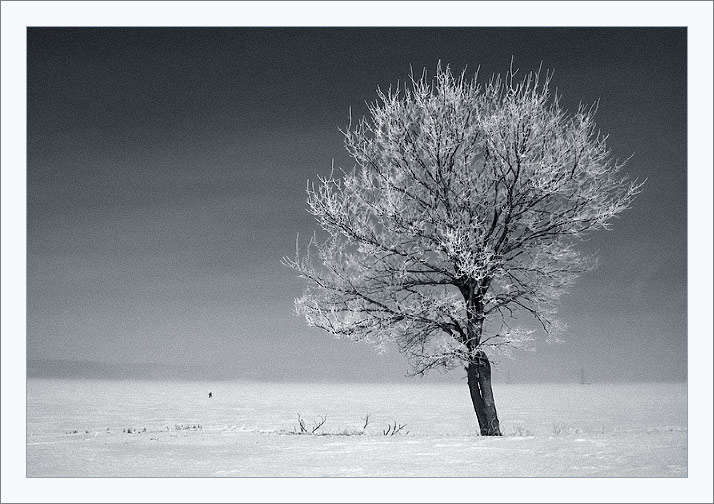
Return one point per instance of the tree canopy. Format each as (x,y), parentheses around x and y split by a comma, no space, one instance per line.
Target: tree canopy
(460,219)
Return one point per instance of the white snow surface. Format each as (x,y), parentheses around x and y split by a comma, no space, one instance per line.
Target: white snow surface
(80,428)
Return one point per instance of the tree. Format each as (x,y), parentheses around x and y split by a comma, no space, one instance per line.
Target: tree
(459,219)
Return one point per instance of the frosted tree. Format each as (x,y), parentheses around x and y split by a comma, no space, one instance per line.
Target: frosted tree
(455,233)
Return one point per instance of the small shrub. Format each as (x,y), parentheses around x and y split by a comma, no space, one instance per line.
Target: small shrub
(392,430)
(191,427)
(520,431)
(345,432)
(317,424)
(563,428)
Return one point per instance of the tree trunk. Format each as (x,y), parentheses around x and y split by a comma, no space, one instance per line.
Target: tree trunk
(479,379)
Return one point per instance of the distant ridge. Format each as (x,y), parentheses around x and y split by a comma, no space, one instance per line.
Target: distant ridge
(114,371)
(92,370)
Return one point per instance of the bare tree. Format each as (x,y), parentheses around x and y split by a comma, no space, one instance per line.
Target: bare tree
(461,214)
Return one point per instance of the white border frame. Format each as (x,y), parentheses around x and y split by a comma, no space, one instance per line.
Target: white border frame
(697,16)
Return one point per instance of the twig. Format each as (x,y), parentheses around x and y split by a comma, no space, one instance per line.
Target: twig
(391,430)
(301,423)
(319,424)
(366,421)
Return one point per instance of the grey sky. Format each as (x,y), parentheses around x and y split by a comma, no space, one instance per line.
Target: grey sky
(166,177)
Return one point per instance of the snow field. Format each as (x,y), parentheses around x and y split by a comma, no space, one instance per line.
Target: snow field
(164,429)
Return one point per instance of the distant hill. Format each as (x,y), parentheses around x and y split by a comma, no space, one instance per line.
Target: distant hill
(69,369)
(136,371)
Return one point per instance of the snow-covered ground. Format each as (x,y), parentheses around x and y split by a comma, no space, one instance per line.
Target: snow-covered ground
(153,428)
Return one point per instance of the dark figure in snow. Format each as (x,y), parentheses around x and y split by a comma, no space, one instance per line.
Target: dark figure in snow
(210,394)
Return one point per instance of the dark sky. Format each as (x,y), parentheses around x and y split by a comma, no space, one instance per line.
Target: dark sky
(166,179)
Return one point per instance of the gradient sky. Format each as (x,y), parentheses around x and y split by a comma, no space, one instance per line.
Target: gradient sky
(166,179)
